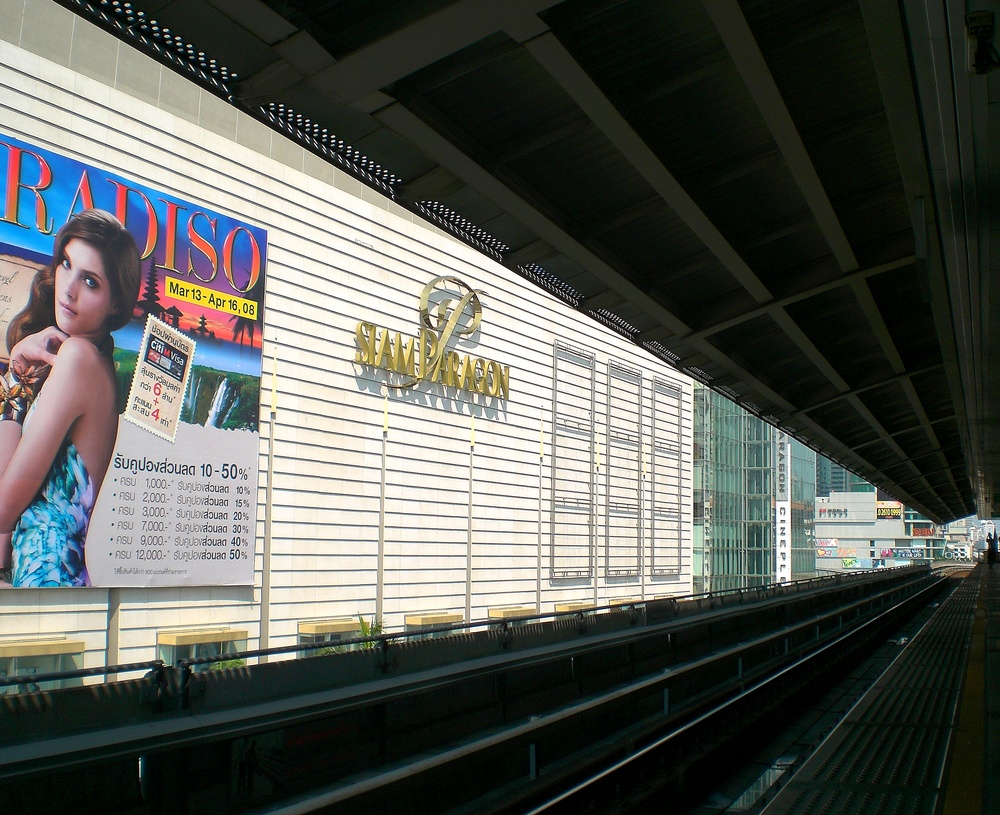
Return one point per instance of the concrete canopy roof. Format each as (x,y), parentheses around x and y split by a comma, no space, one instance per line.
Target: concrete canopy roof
(788,199)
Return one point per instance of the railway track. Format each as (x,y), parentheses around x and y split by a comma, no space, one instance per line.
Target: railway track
(683,765)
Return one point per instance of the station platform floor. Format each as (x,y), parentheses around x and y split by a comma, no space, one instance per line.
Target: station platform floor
(925,738)
(973,781)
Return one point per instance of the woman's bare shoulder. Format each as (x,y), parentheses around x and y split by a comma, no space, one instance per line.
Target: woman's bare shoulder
(79,350)
(79,357)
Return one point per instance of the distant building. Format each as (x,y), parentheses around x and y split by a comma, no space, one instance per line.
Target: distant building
(858,530)
(831,477)
(970,533)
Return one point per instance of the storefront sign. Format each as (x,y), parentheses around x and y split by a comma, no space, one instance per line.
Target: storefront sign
(831,513)
(888,510)
(449,309)
(782,510)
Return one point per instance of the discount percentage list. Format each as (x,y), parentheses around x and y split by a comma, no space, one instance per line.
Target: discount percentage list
(179,523)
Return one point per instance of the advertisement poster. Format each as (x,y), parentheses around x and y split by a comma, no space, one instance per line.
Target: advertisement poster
(160,488)
(888,510)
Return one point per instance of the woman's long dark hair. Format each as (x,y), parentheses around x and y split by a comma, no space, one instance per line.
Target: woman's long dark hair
(105,233)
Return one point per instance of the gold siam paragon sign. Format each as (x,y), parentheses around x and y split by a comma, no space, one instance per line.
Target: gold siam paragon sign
(448,309)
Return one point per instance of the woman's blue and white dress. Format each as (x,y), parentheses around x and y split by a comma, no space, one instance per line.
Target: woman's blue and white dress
(48,540)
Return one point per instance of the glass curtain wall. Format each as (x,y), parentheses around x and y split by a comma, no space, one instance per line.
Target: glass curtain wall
(734,527)
(758,480)
(703,484)
(803,486)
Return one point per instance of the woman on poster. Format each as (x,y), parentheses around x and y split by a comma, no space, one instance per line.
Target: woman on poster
(59,416)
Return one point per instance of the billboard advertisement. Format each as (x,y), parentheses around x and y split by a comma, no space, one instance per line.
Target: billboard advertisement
(888,510)
(131,323)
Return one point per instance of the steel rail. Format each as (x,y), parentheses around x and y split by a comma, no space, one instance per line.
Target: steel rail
(574,798)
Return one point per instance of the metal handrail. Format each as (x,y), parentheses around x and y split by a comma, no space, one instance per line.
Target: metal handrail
(152,667)
(383,641)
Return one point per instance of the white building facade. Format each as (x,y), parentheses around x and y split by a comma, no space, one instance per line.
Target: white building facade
(547,463)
